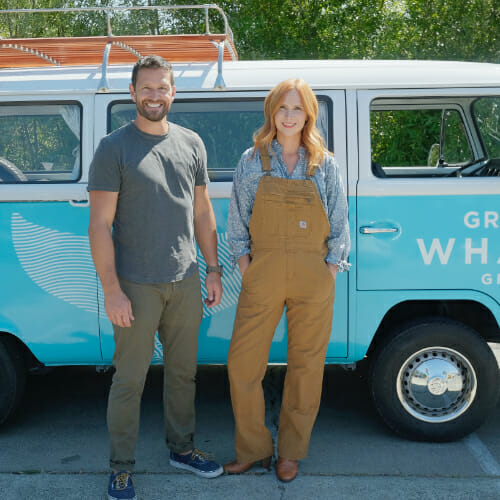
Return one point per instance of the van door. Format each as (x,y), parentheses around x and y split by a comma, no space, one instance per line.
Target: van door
(48,298)
(226,125)
(428,195)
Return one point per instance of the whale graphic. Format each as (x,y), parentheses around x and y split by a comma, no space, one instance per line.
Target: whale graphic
(60,263)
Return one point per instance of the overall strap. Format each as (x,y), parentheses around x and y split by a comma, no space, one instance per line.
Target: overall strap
(265,160)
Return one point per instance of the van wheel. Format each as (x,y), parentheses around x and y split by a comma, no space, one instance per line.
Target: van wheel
(435,380)
(12,378)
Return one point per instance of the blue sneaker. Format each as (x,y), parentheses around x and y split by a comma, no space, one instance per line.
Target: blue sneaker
(121,486)
(197,462)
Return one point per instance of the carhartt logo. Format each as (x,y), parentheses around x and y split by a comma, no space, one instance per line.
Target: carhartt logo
(303,224)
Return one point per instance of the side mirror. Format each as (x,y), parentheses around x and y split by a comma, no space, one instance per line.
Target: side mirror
(433,156)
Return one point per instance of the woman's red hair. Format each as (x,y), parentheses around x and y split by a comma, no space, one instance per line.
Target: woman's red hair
(311,138)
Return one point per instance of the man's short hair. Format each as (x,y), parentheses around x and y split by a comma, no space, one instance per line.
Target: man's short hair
(152,62)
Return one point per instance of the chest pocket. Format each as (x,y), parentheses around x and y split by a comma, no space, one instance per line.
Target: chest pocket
(299,217)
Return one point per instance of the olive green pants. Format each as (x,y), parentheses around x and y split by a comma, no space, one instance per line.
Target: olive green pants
(174,310)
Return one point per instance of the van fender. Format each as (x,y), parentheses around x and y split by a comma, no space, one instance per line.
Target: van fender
(369,309)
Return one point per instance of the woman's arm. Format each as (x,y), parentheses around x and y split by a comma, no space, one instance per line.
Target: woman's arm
(240,211)
(339,240)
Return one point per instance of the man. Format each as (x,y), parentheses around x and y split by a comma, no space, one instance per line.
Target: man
(147,183)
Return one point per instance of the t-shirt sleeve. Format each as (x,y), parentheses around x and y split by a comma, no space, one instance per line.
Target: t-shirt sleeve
(104,173)
(201,171)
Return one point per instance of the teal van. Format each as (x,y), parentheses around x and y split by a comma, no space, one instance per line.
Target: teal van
(419,147)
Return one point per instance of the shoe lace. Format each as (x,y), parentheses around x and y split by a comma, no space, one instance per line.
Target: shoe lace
(201,455)
(121,481)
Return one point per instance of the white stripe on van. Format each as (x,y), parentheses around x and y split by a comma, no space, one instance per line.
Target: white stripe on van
(59,263)
(429,187)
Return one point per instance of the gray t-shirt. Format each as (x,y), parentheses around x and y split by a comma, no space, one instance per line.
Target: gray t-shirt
(155,176)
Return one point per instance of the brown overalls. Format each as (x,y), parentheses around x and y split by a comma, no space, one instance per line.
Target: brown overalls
(288,230)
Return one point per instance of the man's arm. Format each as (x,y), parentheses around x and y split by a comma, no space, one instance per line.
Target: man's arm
(102,213)
(205,231)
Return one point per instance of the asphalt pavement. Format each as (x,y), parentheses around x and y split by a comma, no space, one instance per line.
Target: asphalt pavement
(57,447)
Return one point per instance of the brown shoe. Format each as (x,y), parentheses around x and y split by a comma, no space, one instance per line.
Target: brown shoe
(236,468)
(286,470)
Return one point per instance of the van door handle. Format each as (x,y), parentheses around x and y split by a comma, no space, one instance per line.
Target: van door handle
(377,230)
(79,203)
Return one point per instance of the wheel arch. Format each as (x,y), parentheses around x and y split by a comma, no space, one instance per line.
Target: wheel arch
(14,342)
(471,313)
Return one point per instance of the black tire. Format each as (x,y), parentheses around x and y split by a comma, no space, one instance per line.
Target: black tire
(12,378)
(435,380)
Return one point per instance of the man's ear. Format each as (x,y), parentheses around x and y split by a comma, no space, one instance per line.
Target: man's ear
(132,91)
(174,90)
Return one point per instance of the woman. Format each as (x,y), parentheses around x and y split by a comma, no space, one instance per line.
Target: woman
(289,232)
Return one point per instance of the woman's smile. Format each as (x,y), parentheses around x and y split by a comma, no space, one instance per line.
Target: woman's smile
(290,117)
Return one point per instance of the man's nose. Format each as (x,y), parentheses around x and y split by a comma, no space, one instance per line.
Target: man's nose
(154,94)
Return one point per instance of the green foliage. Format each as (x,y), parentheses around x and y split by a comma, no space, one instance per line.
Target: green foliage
(405,138)
(295,29)
(28,141)
(456,148)
(21,25)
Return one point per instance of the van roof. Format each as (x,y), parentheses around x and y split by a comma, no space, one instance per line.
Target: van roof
(254,75)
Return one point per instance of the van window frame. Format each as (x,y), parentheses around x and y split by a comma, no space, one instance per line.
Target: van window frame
(190,100)
(423,103)
(51,103)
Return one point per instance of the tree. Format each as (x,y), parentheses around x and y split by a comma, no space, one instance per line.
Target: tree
(297,29)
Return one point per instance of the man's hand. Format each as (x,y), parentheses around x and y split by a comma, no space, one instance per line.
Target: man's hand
(102,213)
(214,289)
(118,308)
(205,231)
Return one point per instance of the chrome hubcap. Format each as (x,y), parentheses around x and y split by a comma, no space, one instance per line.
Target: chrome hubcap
(436,384)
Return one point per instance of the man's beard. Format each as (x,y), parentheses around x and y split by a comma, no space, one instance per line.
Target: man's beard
(153,117)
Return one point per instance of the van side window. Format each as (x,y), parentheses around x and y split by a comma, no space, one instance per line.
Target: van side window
(226,127)
(40,142)
(417,141)
(486,112)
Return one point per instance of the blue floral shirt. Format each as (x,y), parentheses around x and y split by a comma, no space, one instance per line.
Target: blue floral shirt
(331,191)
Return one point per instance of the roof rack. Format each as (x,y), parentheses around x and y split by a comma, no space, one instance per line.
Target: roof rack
(35,52)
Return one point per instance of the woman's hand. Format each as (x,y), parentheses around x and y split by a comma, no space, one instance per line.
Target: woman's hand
(333,269)
(243,263)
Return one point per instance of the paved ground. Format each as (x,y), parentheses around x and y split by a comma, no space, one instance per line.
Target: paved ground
(57,448)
